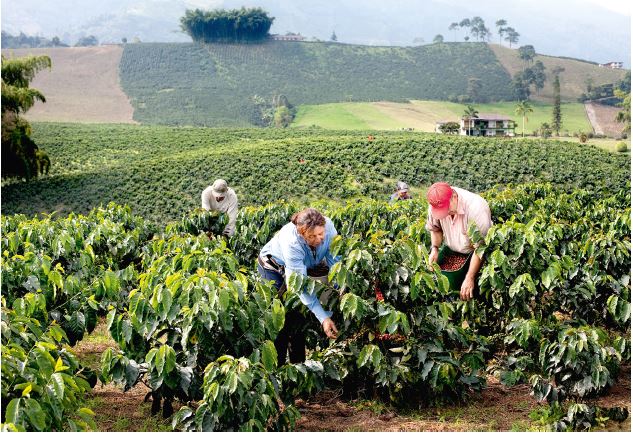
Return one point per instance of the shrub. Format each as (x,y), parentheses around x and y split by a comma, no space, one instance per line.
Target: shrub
(621,147)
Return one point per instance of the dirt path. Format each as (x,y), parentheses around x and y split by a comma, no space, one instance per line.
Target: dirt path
(602,118)
(82,85)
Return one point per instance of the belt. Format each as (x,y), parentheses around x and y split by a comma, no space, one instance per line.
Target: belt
(269,263)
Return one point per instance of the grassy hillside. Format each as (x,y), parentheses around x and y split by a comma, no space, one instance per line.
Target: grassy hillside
(161,171)
(573,81)
(180,84)
(422,115)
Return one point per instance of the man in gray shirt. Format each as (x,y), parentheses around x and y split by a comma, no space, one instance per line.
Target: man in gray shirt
(219,197)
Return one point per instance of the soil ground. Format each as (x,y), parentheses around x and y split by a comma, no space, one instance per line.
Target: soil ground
(496,408)
(81,86)
(602,118)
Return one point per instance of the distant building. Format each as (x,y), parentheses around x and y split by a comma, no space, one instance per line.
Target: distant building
(612,65)
(489,125)
(288,37)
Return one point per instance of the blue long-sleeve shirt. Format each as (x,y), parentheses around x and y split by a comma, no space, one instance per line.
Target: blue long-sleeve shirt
(291,250)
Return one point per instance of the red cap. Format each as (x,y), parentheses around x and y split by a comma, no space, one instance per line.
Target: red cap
(439,197)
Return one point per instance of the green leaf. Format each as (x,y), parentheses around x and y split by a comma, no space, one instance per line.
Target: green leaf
(45,361)
(550,275)
(170,359)
(159,360)
(35,414)
(278,315)
(231,382)
(132,373)
(269,356)
(12,412)
(111,283)
(58,385)
(367,354)
(349,305)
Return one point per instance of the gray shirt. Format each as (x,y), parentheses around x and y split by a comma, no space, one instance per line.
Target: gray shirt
(228,206)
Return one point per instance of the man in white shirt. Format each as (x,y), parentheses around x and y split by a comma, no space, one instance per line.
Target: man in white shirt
(451,210)
(219,197)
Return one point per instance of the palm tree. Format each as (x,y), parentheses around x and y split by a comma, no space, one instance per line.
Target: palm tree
(469,114)
(500,23)
(522,109)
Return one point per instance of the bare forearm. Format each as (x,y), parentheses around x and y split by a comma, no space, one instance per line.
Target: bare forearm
(475,265)
(436,238)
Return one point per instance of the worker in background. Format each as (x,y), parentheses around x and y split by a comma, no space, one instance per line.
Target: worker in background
(401,193)
(219,197)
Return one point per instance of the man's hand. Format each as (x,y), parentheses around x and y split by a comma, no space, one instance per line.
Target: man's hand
(329,328)
(433,256)
(468,286)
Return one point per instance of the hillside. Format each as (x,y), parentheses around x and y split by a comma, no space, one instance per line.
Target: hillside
(188,84)
(161,171)
(82,85)
(573,81)
(217,81)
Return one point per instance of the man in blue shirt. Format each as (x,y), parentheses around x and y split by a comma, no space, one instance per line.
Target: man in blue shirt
(302,247)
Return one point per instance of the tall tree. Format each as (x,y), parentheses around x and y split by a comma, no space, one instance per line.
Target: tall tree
(476,24)
(453,28)
(438,39)
(624,116)
(20,155)
(556,113)
(470,113)
(500,29)
(333,37)
(520,86)
(522,109)
(473,89)
(539,77)
(465,23)
(527,54)
(511,36)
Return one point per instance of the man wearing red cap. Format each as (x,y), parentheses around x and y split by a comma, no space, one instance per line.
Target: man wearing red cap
(451,210)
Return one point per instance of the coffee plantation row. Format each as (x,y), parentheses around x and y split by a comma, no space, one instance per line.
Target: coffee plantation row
(193,320)
(163,170)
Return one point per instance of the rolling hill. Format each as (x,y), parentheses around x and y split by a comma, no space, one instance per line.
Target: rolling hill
(573,80)
(214,85)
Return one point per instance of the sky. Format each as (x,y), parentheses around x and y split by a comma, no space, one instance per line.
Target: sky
(622,6)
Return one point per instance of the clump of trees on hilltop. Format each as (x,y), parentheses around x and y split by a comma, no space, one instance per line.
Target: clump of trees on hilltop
(221,25)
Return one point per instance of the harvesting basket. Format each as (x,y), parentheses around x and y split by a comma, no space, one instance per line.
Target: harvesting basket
(455,278)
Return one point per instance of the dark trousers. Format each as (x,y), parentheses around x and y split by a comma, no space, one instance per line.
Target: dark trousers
(291,339)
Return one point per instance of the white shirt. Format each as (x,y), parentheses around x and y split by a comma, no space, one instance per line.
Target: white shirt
(470,208)
(228,206)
